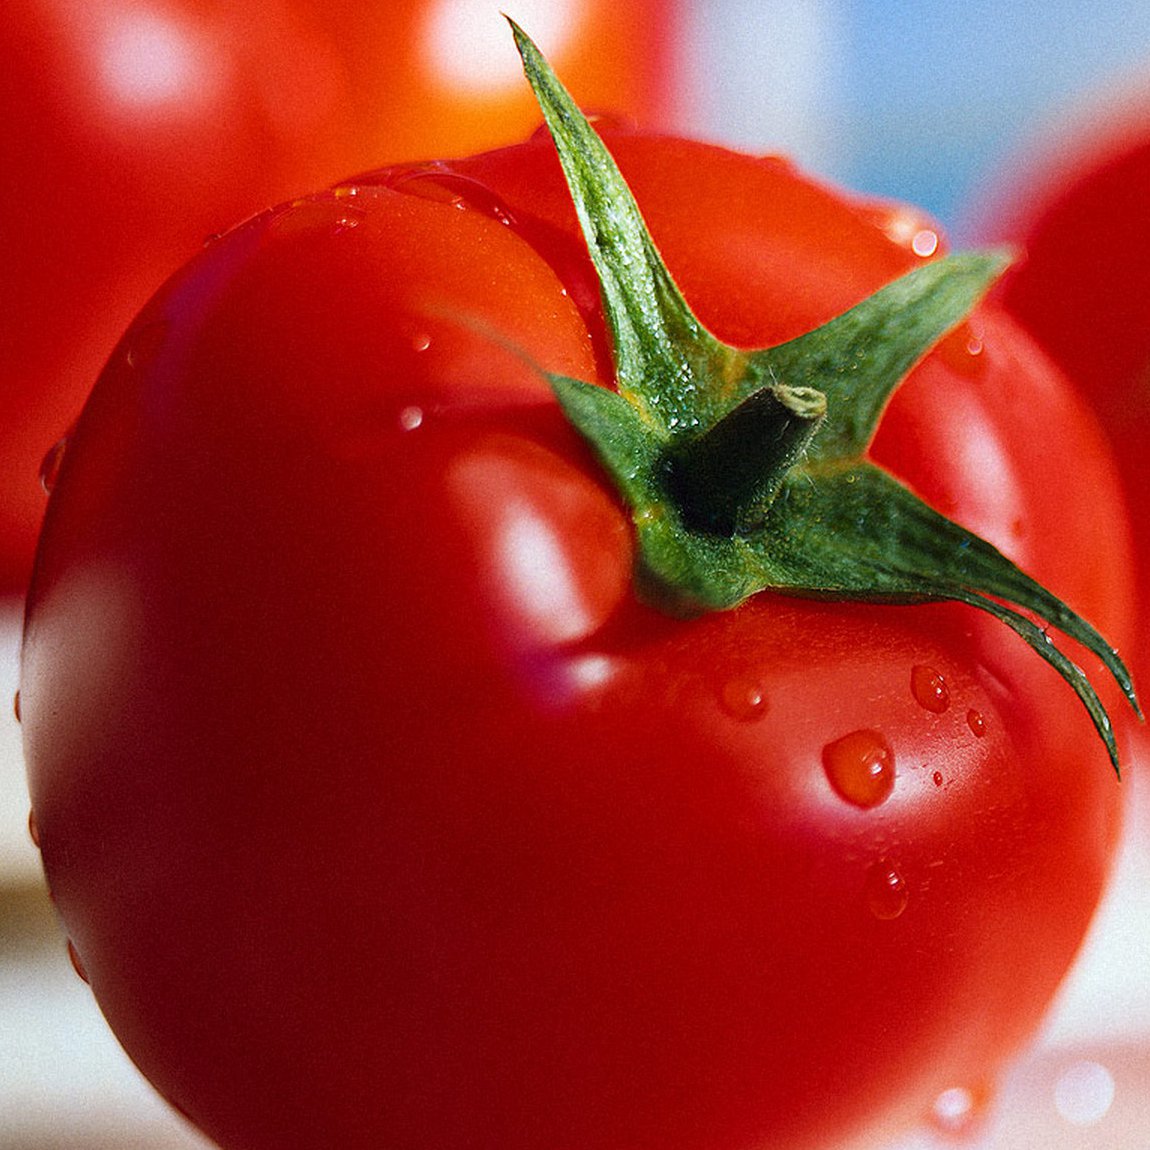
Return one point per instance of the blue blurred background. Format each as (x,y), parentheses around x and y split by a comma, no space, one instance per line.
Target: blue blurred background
(924,101)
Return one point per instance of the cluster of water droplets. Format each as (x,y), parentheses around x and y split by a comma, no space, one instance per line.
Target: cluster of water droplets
(860,767)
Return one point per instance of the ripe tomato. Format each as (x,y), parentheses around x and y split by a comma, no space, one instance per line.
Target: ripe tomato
(381,810)
(134,130)
(1083,288)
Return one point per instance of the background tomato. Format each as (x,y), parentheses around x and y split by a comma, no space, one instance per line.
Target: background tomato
(133,129)
(1075,207)
(378,808)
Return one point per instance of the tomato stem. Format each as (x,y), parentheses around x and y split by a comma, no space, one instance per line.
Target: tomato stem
(726,478)
(746,470)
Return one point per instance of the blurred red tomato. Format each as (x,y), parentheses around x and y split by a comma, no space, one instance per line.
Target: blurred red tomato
(132,129)
(1078,207)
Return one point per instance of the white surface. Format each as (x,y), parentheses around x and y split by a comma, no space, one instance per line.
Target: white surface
(19,863)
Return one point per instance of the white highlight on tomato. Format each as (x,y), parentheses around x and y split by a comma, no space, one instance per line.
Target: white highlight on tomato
(466,46)
(147,58)
(535,569)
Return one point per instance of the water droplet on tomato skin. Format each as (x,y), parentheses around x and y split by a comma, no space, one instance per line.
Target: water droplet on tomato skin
(860,768)
(924,242)
(439,183)
(744,699)
(929,689)
(348,220)
(886,891)
(145,344)
(411,418)
(77,962)
(976,723)
(426,182)
(52,462)
(936,778)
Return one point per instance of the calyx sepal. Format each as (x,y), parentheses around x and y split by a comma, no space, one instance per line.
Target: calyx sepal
(746,471)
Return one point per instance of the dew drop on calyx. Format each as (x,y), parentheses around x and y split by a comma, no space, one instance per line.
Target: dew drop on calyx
(860,768)
(929,689)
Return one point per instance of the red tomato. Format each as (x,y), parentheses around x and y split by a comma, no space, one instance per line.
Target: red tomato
(379,809)
(133,130)
(1077,211)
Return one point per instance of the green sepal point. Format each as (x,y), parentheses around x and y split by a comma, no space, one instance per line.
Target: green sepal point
(745,470)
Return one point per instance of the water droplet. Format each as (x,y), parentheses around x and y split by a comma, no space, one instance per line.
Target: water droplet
(744,698)
(348,220)
(929,689)
(936,778)
(33,828)
(976,723)
(963,349)
(77,962)
(421,341)
(886,890)
(410,418)
(145,343)
(860,767)
(1084,1093)
(428,186)
(439,183)
(16,705)
(924,243)
(51,464)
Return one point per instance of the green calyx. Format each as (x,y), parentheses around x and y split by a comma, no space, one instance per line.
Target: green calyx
(746,470)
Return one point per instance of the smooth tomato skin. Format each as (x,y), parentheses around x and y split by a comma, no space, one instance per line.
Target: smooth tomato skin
(381,812)
(1082,290)
(134,131)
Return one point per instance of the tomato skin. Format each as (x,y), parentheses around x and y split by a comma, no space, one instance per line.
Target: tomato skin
(133,131)
(1083,288)
(379,809)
